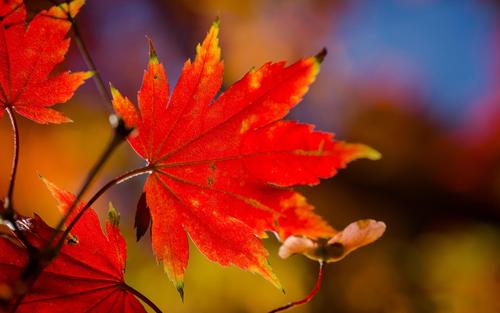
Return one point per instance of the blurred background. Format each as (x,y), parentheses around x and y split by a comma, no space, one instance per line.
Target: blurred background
(419,80)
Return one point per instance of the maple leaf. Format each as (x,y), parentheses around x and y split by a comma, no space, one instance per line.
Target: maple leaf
(221,170)
(28,55)
(86,276)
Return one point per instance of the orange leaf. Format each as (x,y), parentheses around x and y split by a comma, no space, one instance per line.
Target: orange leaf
(221,166)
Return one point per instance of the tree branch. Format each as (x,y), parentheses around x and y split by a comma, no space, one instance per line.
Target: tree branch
(99,82)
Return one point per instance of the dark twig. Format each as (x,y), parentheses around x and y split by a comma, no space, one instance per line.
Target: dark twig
(99,82)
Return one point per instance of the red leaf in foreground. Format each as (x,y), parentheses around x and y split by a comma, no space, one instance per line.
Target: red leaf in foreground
(222,168)
(28,55)
(86,276)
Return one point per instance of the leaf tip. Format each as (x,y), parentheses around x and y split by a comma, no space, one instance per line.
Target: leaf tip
(271,276)
(278,285)
(180,289)
(88,74)
(371,154)
(153,57)
(361,151)
(66,10)
(114,92)
(74,7)
(58,194)
(320,56)
(50,186)
(216,22)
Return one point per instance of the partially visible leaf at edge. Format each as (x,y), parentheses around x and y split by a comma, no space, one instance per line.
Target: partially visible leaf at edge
(86,276)
(28,55)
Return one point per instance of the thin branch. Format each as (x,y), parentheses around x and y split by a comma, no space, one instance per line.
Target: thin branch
(15,158)
(311,294)
(9,213)
(99,82)
(143,298)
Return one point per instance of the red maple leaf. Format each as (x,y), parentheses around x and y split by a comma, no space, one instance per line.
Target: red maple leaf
(28,55)
(86,276)
(221,169)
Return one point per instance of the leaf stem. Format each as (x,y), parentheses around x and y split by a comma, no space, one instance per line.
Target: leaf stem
(9,213)
(143,298)
(311,294)
(118,180)
(99,82)
(87,58)
(15,159)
